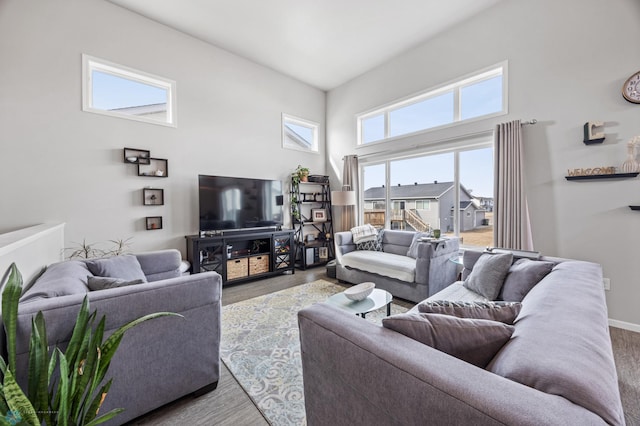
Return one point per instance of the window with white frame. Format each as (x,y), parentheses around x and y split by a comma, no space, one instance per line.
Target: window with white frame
(299,134)
(481,95)
(423,204)
(119,91)
(447,187)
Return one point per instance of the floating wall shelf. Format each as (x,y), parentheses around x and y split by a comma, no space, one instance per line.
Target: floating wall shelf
(634,207)
(609,176)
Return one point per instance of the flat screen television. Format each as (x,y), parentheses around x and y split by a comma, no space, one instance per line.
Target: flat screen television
(233,203)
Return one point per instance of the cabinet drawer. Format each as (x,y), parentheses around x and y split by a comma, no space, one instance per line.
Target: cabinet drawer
(237,268)
(258,264)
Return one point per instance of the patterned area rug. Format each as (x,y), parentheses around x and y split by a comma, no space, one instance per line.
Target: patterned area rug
(261,347)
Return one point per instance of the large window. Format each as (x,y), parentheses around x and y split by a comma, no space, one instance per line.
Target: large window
(451,191)
(124,92)
(480,95)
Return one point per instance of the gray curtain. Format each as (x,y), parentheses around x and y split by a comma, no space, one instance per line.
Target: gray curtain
(512,228)
(350,177)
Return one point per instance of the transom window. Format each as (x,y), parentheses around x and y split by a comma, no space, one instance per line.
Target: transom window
(119,91)
(299,134)
(478,96)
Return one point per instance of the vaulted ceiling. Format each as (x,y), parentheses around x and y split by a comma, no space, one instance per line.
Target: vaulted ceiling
(324,43)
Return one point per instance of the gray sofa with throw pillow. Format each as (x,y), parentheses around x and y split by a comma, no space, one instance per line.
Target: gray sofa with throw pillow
(397,261)
(540,356)
(158,361)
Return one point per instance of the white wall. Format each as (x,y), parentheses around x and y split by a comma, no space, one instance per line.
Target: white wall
(60,164)
(31,249)
(567,63)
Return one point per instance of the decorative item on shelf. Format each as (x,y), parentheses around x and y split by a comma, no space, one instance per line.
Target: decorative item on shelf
(590,137)
(318,215)
(136,156)
(153,222)
(152,196)
(301,174)
(318,179)
(631,165)
(360,291)
(631,88)
(598,171)
(311,238)
(155,167)
(323,253)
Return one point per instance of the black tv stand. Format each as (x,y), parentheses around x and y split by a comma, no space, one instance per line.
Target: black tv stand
(243,254)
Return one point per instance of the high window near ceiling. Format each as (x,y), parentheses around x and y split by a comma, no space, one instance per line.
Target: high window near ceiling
(481,95)
(119,91)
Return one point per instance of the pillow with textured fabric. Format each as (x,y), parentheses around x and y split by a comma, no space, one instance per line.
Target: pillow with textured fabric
(124,267)
(523,275)
(103,283)
(488,274)
(364,233)
(373,245)
(413,248)
(475,341)
(505,312)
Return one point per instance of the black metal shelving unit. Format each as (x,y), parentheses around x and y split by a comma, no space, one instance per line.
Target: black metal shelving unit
(312,221)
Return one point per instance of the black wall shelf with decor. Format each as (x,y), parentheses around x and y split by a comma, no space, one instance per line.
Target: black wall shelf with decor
(157,167)
(609,176)
(312,222)
(136,156)
(153,196)
(153,222)
(242,255)
(634,207)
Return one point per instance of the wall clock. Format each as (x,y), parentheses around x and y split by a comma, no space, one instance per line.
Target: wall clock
(631,88)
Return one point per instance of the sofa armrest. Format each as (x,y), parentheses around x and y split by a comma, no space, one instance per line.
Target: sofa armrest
(161,264)
(433,265)
(356,372)
(343,244)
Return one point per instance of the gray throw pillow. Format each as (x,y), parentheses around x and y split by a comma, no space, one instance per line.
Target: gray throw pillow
(523,275)
(103,283)
(472,340)
(505,312)
(124,267)
(488,274)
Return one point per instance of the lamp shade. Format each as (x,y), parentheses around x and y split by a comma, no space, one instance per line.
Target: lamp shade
(343,198)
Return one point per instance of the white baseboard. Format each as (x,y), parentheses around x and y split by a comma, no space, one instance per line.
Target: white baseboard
(625,325)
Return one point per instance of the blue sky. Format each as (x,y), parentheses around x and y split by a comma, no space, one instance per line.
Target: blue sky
(110,92)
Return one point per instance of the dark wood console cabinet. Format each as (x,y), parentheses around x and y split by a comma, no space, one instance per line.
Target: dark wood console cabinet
(242,255)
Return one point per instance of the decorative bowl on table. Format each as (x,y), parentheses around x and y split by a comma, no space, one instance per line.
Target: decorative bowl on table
(360,291)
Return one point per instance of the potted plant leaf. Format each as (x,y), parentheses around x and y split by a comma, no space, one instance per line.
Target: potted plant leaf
(301,174)
(64,388)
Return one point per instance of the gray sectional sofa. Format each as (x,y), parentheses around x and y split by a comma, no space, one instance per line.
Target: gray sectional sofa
(557,367)
(392,269)
(158,361)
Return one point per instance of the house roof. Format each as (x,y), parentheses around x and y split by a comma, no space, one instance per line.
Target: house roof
(417,191)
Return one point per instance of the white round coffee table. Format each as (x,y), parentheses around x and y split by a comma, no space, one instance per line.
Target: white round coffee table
(376,300)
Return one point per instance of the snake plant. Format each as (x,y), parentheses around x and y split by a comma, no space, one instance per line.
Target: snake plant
(75,397)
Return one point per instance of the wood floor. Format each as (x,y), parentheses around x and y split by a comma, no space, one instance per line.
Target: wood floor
(229,405)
